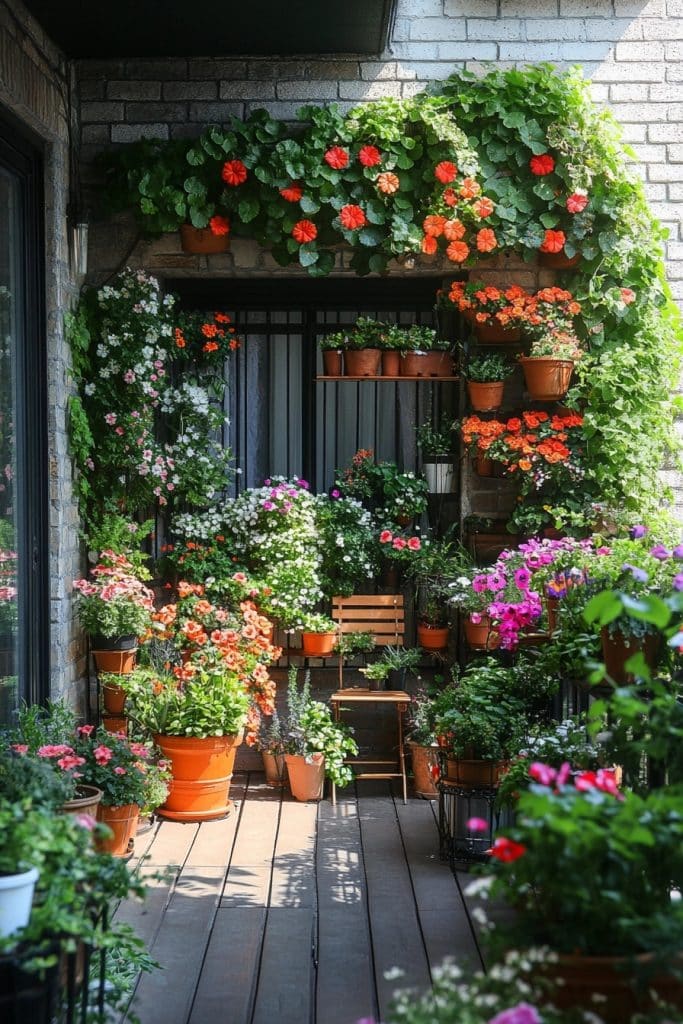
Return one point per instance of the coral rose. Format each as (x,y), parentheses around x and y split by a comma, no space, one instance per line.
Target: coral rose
(457,252)
(486,240)
(219,225)
(292,193)
(369,156)
(483,207)
(543,164)
(304,231)
(337,158)
(387,182)
(445,172)
(553,241)
(577,201)
(429,245)
(454,230)
(352,217)
(234,172)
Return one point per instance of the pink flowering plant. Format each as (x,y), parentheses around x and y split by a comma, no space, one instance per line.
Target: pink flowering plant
(399,545)
(505,594)
(114,602)
(105,760)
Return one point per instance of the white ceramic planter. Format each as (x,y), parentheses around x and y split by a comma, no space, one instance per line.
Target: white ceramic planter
(440,477)
(16,897)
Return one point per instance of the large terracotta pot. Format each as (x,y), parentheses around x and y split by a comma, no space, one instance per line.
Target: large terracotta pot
(558,260)
(391,364)
(432,638)
(274,768)
(306,779)
(332,362)
(495,334)
(546,379)
(317,645)
(115,654)
(426,364)
(114,698)
(86,801)
(123,822)
(202,772)
(615,978)
(363,362)
(202,241)
(481,636)
(424,760)
(485,397)
(473,773)
(617,649)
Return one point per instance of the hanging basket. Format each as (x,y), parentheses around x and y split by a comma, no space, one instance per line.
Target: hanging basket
(317,645)
(546,379)
(432,638)
(202,241)
(496,334)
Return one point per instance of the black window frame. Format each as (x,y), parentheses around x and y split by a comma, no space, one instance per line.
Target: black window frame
(21,154)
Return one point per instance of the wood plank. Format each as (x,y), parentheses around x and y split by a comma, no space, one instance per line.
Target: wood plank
(345,989)
(293,879)
(286,978)
(214,840)
(444,920)
(172,843)
(251,865)
(368,600)
(145,916)
(227,983)
(394,922)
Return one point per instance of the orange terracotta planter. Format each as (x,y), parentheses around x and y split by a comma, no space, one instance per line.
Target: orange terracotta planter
(483,466)
(120,662)
(474,773)
(306,779)
(123,822)
(391,364)
(495,334)
(558,260)
(332,362)
(363,362)
(115,723)
(426,364)
(424,759)
(202,773)
(485,397)
(202,241)
(617,649)
(432,638)
(317,645)
(86,801)
(481,636)
(274,768)
(546,379)
(114,698)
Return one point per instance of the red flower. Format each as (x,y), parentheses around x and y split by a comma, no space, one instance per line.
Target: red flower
(414,543)
(304,231)
(543,164)
(352,217)
(553,241)
(429,245)
(470,188)
(454,230)
(219,225)
(211,346)
(369,156)
(292,193)
(627,296)
(433,225)
(577,202)
(385,536)
(337,158)
(486,240)
(507,850)
(450,197)
(234,172)
(445,172)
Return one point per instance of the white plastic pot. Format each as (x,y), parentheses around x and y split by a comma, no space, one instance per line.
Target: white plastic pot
(16,897)
(440,477)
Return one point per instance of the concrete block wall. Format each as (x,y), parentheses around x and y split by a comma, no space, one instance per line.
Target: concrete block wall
(35,82)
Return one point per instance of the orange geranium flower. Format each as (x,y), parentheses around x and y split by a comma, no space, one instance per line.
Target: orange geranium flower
(429,245)
(450,197)
(234,173)
(486,240)
(219,225)
(369,156)
(483,207)
(470,188)
(445,172)
(304,231)
(211,346)
(292,193)
(352,217)
(179,338)
(553,241)
(387,183)
(434,225)
(454,230)
(524,464)
(337,158)
(457,252)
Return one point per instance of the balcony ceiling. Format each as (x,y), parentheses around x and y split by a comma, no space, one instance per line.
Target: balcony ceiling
(213,28)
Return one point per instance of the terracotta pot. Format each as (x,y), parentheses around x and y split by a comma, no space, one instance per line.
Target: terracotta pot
(317,645)
(332,362)
(440,475)
(115,723)
(426,364)
(615,978)
(114,698)
(202,772)
(486,547)
(391,364)
(202,241)
(424,759)
(485,397)
(495,334)
(483,466)
(617,649)
(114,654)
(481,636)
(432,638)
(474,773)
(363,362)
(306,780)
(558,260)
(123,821)
(274,768)
(546,379)
(553,605)
(86,801)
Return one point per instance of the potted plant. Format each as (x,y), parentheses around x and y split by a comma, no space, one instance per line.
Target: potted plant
(318,635)
(549,322)
(317,747)
(471,592)
(423,746)
(19,829)
(423,353)
(495,314)
(332,347)
(391,342)
(485,375)
(362,354)
(115,608)
(349,644)
(272,745)
(401,661)
(436,448)
(433,572)
(376,673)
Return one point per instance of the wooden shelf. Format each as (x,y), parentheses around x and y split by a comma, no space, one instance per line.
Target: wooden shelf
(392,379)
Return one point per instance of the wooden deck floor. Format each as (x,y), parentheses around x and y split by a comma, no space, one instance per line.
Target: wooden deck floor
(292,912)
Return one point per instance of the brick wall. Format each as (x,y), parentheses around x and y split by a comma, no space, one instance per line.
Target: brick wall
(34,86)
(631,49)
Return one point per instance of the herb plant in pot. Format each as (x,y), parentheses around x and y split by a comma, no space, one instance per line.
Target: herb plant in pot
(486,376)
(436,448)
(332,347)
(271,743)
(423,746)
(362,354)
(432,571)
(424,354)
(549,323)
(318,635)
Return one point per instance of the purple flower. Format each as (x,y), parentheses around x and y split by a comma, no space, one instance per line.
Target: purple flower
(636,532)
(677,583)
(477,825)
(678,552)
(523,1013)
(479,584)
(496,581)
(660,552)
(304,484)
(522,577)
(268,506)
(335,493)
(267,482)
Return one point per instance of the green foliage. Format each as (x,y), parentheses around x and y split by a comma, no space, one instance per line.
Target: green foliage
(212,703)
(480,718)
(310,730)
(488,368)
(28,778)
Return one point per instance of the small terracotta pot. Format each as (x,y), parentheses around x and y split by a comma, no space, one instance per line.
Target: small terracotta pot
(485,397)
(115,723)
(474,773)
(317,645)
(202,241)
(426,364)
(114,698)
(617,649)
(432,638)
(546,379)
(123,821)
(391,364)
(483,466)
(274,768)
(332,362)
(486,547)
(202,773)
(363,362)
(558,260)
(86,801)
(495,334)
(424,759)
(481,636)
(306,780)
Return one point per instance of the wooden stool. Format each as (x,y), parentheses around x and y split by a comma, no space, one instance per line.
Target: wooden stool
(356,697)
